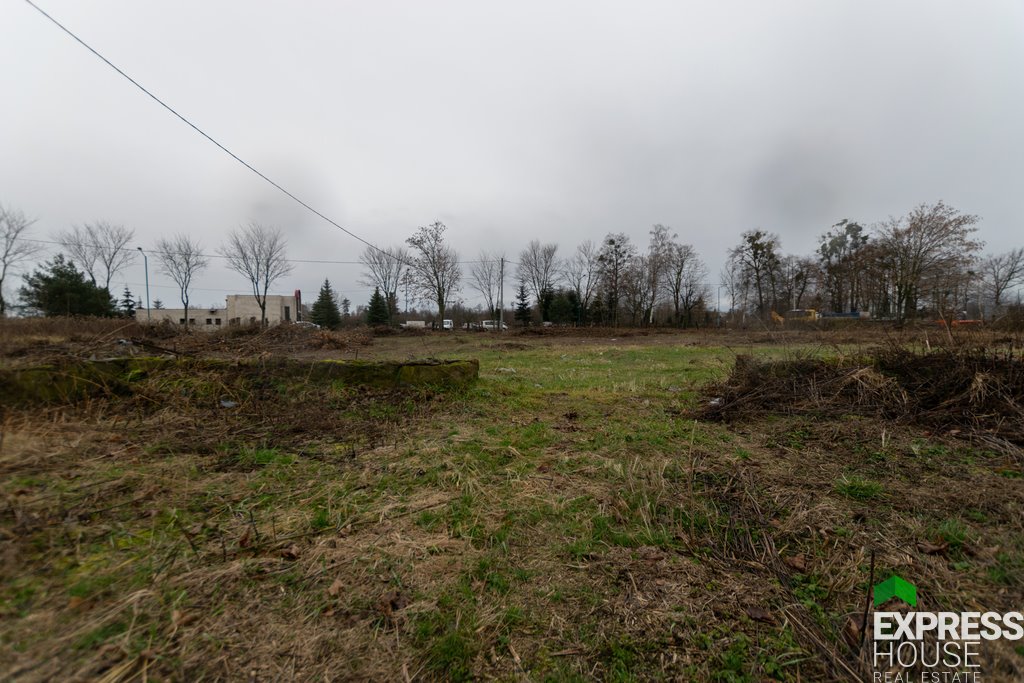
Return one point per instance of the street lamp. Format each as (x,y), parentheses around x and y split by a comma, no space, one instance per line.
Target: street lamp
(718,306)
(145,263)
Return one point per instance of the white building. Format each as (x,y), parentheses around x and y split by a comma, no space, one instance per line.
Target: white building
(239,309)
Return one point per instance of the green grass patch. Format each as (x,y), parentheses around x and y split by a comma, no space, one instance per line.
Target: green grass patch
(858,488)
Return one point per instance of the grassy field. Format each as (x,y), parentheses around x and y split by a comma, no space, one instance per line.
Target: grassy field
(566,518)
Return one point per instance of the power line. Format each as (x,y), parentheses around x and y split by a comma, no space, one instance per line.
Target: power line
(156,252)
(198,129)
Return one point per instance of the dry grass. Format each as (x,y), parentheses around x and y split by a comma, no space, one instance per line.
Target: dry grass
(564,519)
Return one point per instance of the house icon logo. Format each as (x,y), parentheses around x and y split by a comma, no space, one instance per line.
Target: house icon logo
(895,587)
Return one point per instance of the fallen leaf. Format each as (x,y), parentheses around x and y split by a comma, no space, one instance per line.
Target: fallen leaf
(797,563)
(931,548)
(292,552)
(179,618)
(758,614)
(393,602)
(335,588)
(851,631)
(74,601)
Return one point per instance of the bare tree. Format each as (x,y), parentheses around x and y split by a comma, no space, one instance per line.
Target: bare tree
(434,266)
(797,278)
(757,261)
(14,248)
(928,249)
(842,256)
(383,268)
(538,269)
(659,253)
(258,253)
(582,273)
(613,259)
(181,259)
(485,277)
(1001,272)
(100,249)
(636,292)
(685,281)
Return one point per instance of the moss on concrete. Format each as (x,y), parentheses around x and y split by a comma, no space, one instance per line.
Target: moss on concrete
(68,383)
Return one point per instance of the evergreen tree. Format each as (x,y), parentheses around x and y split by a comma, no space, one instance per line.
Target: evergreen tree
(547,295)
(325,310)
(377,313)
(523,313)
(565,307)
(127,303)
(58,288)
(346,307)
(157,304)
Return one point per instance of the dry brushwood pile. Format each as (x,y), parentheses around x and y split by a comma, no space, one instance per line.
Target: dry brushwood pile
(38,340)
(980,390)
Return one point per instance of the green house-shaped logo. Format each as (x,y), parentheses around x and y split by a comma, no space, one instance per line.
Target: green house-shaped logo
(895,587)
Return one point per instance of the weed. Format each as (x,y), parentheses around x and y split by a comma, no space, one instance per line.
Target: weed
(951,531)
(100,635)
(858,488)
(1008,569)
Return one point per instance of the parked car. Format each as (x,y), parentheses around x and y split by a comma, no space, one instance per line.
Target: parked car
(448,325)
(492,325)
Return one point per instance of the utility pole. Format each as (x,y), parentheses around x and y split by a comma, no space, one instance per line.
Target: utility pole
(145,262)
(501,295)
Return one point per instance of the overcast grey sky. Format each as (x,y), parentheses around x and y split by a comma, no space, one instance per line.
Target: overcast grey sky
(553,120)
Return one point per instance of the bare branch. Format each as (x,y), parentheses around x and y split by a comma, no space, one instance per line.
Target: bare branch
(537,267)
(14,248)
(181,259)
(1002,272)
(258,253)
(581,272)
(383,269)
(435,265)
(485,277)
(99,248)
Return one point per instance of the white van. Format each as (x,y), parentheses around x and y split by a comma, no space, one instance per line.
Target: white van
(491,325)
(447,325)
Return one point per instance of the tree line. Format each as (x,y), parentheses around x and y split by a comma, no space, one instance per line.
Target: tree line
(77,280)
(927,262)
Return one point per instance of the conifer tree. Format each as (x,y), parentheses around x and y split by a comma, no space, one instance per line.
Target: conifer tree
(325,310)
(127,303)
(377,313)
(59,288)
(523,313)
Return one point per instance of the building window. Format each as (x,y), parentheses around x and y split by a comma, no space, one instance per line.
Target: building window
(181,321)
(191,321)
(287,313)
(216,321)
(209,321)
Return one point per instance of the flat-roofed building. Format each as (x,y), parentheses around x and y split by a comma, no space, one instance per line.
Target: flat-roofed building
(239,309)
